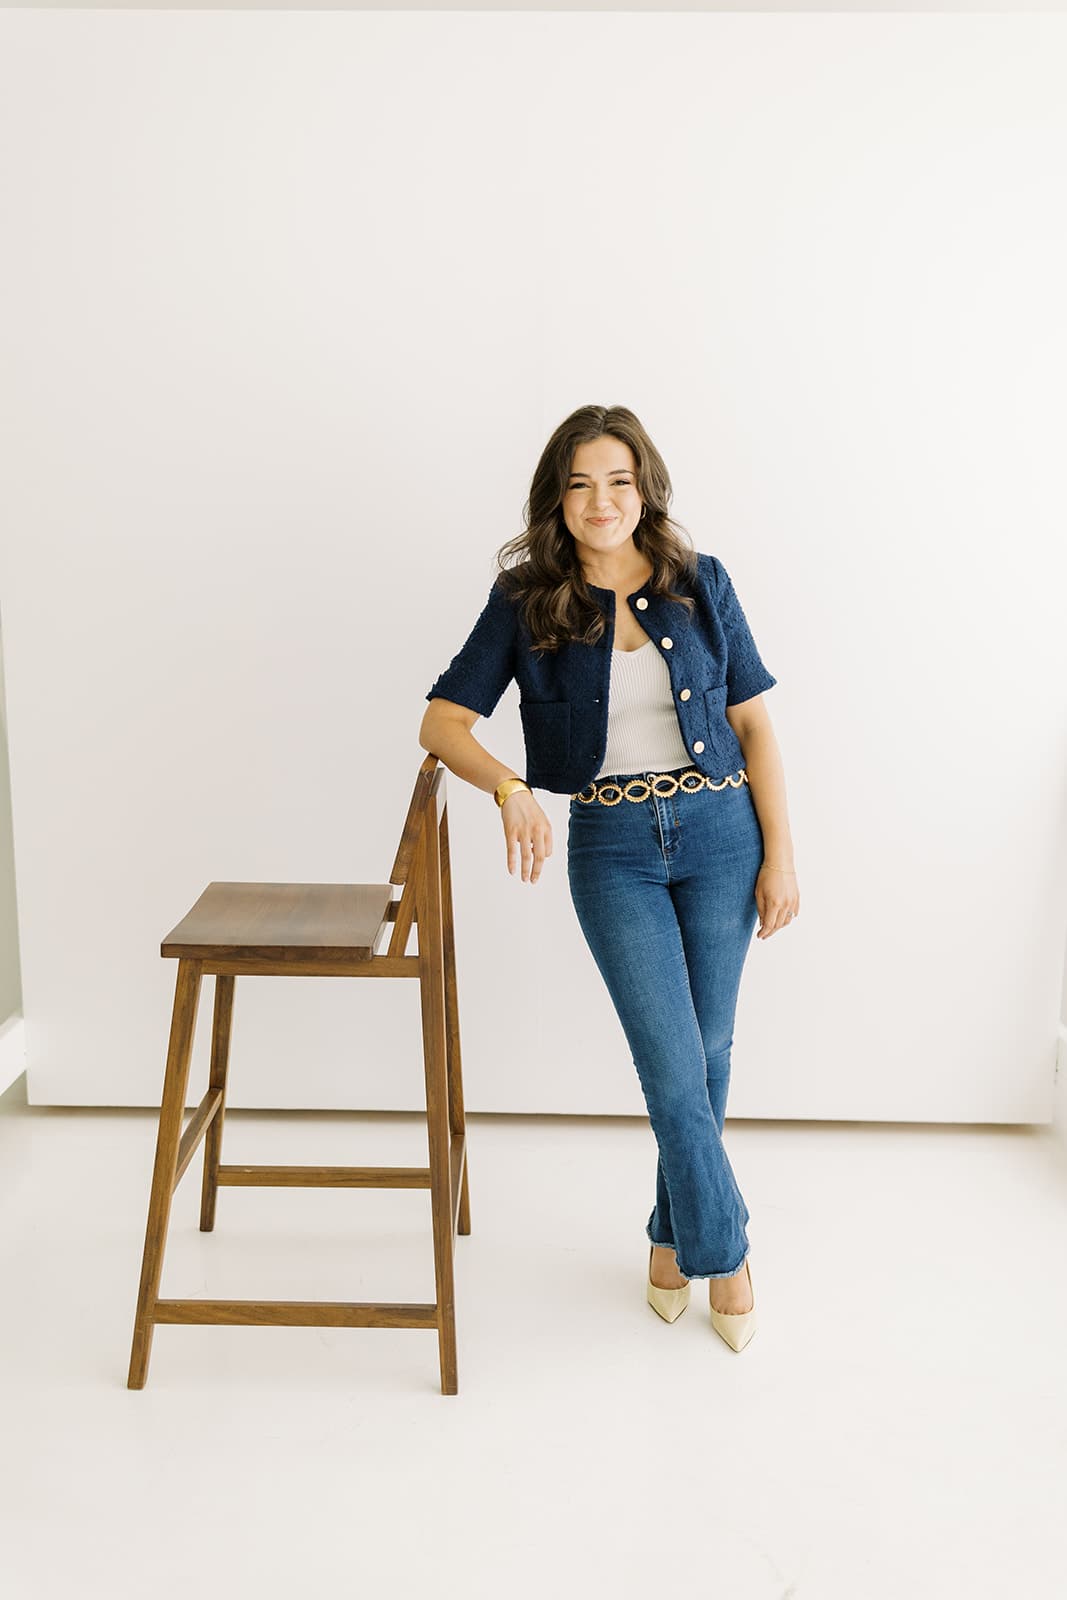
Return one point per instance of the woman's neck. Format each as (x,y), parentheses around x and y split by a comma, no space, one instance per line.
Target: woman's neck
(623,581)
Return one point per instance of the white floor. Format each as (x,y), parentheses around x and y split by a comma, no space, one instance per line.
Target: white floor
(896,1428)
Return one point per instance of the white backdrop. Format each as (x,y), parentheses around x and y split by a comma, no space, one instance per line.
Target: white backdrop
(290,303)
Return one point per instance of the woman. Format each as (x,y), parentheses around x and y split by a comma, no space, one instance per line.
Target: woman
(641,696)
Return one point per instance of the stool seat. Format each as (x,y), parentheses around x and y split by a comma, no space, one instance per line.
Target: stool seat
(282,921)
(270,930)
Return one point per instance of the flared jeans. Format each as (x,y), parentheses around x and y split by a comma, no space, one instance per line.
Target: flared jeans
(664,892)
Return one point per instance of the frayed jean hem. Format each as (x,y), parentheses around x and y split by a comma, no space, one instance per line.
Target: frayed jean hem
(736,1269)
(670,1246)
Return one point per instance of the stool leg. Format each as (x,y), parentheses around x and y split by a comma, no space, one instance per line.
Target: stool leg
(457,1120)
(220,1060)
(434,1052)
(168,1138)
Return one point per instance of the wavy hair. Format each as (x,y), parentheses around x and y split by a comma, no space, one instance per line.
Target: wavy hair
(547,578)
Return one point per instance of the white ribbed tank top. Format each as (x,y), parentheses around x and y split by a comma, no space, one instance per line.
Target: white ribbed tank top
(643,730)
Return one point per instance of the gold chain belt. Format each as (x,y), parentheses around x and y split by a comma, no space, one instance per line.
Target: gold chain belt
(609,794)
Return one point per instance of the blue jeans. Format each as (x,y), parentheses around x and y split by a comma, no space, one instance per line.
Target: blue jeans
(664,891)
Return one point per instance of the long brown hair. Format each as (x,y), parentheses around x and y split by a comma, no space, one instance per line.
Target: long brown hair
(547,579)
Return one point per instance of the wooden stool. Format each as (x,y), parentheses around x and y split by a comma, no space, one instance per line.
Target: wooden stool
(318,929)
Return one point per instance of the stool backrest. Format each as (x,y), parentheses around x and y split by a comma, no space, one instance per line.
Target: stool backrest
(423,843)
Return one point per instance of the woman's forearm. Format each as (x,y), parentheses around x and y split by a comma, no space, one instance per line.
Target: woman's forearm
(454,745)
(766,779)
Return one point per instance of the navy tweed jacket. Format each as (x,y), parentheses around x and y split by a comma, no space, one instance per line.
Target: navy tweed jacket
(711,657)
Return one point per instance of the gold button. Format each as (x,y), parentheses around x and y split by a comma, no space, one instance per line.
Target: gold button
(684,694)
(666,643)
(641,604)
(698,747)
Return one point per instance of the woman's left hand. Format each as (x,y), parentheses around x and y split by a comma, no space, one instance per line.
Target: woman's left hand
(778,899)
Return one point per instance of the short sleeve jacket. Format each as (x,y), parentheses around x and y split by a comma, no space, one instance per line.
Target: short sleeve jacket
(711,658)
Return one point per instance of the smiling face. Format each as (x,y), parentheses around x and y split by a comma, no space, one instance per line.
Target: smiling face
(601,505)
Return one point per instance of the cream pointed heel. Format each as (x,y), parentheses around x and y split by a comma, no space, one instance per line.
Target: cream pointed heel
(670,1303)
(736,1327)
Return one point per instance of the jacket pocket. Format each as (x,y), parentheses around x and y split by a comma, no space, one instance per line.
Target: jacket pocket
(546,728)
(722,741)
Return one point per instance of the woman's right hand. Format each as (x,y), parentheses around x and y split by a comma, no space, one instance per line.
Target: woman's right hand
(528,833)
